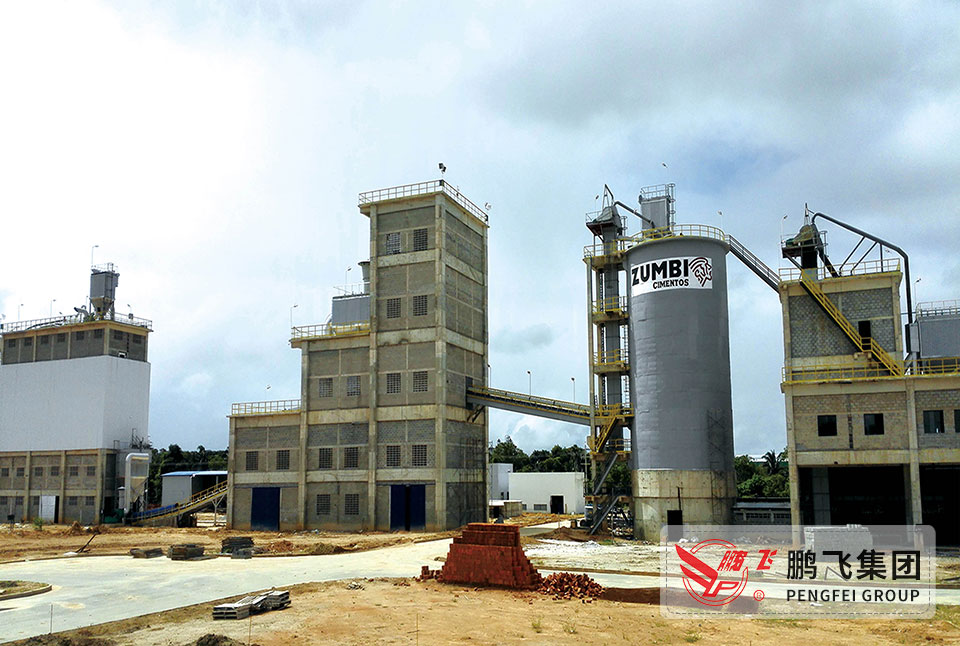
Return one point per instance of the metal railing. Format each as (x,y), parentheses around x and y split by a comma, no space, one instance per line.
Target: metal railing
(938,308)
(854,371)
(751,260)
(329,329)
(73,319)
(261,408)
(423,188)
(616,305)
(649,235)
(532,402)
(610,446)
(187,505)
(611,359)
(849,269)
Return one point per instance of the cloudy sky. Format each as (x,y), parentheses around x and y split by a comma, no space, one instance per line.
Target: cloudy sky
(214,151)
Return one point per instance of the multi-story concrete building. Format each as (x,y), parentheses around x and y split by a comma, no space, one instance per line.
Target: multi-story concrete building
(74,404)
(872,438)
(381,437)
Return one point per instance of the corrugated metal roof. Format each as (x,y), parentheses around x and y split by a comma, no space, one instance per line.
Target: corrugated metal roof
(194,473)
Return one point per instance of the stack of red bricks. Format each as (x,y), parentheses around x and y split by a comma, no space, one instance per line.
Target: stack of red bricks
(490,554)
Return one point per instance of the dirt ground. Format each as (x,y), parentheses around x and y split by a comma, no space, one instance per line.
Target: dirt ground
(26,542)
(406,611)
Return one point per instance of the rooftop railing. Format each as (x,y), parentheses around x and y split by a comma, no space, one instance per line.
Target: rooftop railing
(423,188)
(650,235)
(328,330)
(263,408)
(849,269)
(938,308)
(858,371)
(75,319)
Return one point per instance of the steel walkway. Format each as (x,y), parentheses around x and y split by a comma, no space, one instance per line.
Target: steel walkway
(529,404)
(756,265)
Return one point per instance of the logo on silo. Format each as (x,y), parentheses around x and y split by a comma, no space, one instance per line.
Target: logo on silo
(684,272)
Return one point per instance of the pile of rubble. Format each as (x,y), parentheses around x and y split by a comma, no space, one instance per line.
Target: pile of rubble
(566,585)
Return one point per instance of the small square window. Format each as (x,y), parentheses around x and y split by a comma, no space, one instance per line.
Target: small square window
(88,501)
(20,472)
(826,425)
(392,245)
(61,337)
(79,336)
(3,501)
(393,383)
(420,305)
(27,342)
(37,472)
(136,338)
(5,472)
(419,239)
(117,335)
(72,501)
(73,471)
(283,460)
(325,459)
(420,381)
(253,460)
(873,424)
(323,504)
(351,457)
(393,455)
(933,421)
(11,343)
(353,386)
(98,334)
(325,387)
(351,504)
(393,308)
(35,501)
(45,339)
(419,455)
(18,501)
(54,471)
(91,471)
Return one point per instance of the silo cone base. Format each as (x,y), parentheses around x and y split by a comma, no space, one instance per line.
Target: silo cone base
(705,498)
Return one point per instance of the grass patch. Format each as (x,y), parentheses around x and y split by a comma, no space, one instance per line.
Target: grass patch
(537,625)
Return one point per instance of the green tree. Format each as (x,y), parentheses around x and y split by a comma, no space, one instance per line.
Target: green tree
(744,468)
(506,451)
(771,462)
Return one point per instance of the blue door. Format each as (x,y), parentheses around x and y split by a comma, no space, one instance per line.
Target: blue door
(265,509)
(408,507)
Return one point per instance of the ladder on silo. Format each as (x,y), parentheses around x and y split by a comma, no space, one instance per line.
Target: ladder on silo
(863,343)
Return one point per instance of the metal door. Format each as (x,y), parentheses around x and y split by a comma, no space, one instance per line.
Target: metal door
(265,509)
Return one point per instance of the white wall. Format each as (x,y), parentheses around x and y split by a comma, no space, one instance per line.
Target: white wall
(536,489)
(73,403)
(175,489)
(498,482)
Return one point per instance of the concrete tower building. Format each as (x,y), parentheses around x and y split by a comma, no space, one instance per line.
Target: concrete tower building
(381,437)
(74,405)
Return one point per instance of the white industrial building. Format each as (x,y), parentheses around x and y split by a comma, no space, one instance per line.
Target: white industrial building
(555,493)
(74,406)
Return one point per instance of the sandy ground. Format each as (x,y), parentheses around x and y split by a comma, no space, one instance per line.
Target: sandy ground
(25,542)
(403,611)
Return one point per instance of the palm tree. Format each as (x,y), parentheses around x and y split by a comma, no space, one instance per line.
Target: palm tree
(772,463)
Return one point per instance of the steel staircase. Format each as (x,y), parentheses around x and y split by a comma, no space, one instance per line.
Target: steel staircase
(863,344)
(196,502)
(756,265)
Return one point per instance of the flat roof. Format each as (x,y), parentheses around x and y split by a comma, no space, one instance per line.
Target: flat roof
(194,473)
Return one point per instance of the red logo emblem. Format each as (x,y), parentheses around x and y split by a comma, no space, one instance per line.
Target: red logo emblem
(703,582)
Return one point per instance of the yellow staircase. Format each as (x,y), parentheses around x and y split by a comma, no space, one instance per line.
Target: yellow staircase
(864,344)
(194,503)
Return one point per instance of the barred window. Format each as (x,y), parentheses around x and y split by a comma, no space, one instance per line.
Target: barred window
(393,455)
(34,501)
(3,501)
(5,472)
(420,381)
(91,470)
(393,383)
(539,507)
(933,421)
(283,460)
(136,338)
(88,501)
(54,471)
(79,336)
(419,455)
(117,335)
(45,339)
(351,457)
(11,343)
(325,387)
(420,305)
(253,460)
(27,342)
(393,243)
(323,504)
(353,386)
(73,471)
(325,460)
(393,308)
(419,239)
(351,504)
(18,501)
(61,337)
(72,501)
(37,472)
(20,472)
(98,334)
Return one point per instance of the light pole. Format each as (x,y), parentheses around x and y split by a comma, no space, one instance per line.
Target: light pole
(18,310)
(51,307)
(529,383)
(720,213)
(781,228)
(489,375)
(574,381)
(91,253)
(293,307)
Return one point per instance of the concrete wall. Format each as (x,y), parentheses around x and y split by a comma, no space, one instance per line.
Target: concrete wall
(74,404)
(536,488)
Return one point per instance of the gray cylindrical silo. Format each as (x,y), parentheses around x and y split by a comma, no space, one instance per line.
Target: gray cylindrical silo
(682,435)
